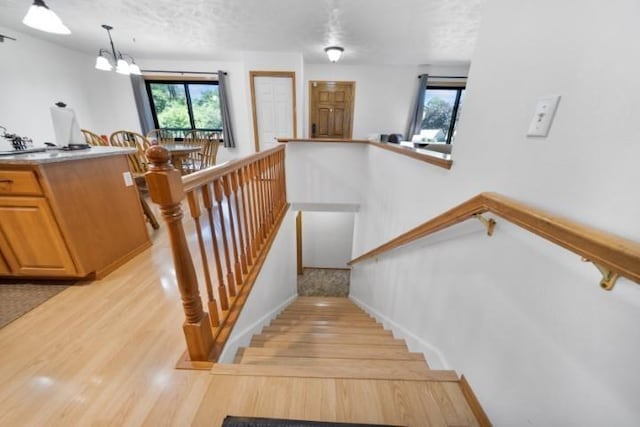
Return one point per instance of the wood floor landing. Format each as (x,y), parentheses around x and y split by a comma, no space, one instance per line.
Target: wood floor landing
(333,373)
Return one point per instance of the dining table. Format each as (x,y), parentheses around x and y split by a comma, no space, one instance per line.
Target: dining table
(179,152)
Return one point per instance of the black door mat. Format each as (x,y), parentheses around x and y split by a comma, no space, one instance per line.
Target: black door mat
(230,421)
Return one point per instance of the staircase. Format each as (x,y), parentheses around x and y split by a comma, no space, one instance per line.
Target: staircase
(325,359)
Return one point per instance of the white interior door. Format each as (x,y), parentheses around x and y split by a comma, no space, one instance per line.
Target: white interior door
(274,109)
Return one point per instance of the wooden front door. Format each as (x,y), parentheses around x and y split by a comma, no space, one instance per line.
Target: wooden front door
(331,109)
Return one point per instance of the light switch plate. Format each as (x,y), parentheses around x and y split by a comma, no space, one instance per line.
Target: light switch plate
(543,116)
(128,180)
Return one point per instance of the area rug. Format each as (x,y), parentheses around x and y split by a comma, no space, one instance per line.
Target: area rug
(16,299)
(324,282)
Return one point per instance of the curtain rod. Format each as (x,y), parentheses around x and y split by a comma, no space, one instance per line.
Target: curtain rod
(182,72)
(443,77)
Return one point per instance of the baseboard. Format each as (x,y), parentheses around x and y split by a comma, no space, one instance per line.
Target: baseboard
(243,337)
(434,356)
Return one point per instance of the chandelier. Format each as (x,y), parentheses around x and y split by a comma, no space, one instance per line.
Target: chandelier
(107,59)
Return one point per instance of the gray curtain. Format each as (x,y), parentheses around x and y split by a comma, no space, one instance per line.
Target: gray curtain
(225,110)
(415,117)
(142,104)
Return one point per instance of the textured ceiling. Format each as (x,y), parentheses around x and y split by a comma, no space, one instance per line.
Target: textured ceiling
(371,31)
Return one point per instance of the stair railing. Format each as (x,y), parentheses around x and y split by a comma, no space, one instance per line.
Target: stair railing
(243,203)
(614,256)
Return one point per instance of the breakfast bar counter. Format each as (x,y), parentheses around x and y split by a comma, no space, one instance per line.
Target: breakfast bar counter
(68,214)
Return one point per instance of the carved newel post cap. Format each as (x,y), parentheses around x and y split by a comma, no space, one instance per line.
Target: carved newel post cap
(159,157)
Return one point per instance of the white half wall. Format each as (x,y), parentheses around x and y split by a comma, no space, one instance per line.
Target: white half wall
(327,238)
(274,289)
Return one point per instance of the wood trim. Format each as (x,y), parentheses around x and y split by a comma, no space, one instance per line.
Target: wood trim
(252,75)
(474,404)
(328,268)
(436,159)
(618,254)
(353,102)
(300,268)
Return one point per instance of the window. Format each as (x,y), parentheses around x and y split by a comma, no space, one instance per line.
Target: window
(184,105)
(442,107)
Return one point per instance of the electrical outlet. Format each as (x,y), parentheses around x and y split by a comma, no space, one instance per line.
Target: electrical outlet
(128,180)
(543,116)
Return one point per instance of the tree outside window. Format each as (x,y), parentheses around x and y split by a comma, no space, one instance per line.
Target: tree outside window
(442,107)
(184,105)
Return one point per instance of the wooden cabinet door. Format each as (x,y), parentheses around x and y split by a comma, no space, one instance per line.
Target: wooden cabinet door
(331,109)
(32,238)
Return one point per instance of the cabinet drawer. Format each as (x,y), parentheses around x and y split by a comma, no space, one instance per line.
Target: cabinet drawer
(19,183)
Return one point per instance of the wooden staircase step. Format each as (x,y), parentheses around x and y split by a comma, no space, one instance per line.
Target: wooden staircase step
(324,300)
(334,351)
(317,361)
(337,323)
(365,349)
(408,373)
(328,338)
(316,317)
(315,310)
(327,330)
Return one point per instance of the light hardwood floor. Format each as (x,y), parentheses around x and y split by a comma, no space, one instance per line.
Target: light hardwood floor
(102,353)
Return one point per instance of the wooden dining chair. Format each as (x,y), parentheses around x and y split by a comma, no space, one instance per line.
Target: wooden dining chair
(209,142)
(138,165)
(125,138)
(93,139)
(161,136)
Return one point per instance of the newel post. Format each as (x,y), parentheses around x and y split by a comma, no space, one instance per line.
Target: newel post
(165,188)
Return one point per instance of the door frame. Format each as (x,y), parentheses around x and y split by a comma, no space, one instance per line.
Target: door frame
(351,83)
(252,76)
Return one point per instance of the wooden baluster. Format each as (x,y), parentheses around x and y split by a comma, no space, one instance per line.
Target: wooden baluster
(246,215)
(283,177)
(251,204)
(217,191)
(225,181)
(235,182)
(194,208)
(165,188)
(208,204)
(256,204)
(263,202)
(267,193)
(272,193)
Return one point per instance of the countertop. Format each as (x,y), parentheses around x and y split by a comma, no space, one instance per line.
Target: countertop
(57,155)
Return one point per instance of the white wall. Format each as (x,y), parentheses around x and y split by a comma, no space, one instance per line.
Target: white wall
(525,320)
(324,172)
(34,75)
(327,238)
(273,290)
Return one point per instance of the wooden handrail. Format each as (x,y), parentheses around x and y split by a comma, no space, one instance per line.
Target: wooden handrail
(243,202)
(432,157)
(613,255)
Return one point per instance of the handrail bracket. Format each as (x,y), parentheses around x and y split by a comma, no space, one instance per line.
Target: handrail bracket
(489,223)
(609,277)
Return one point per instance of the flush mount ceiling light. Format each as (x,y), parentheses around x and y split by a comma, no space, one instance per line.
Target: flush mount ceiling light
(106,60)
(334,53)
(40,17)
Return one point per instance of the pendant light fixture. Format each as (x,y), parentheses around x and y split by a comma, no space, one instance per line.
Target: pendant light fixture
(334,53)
(40,17)
(106,60)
